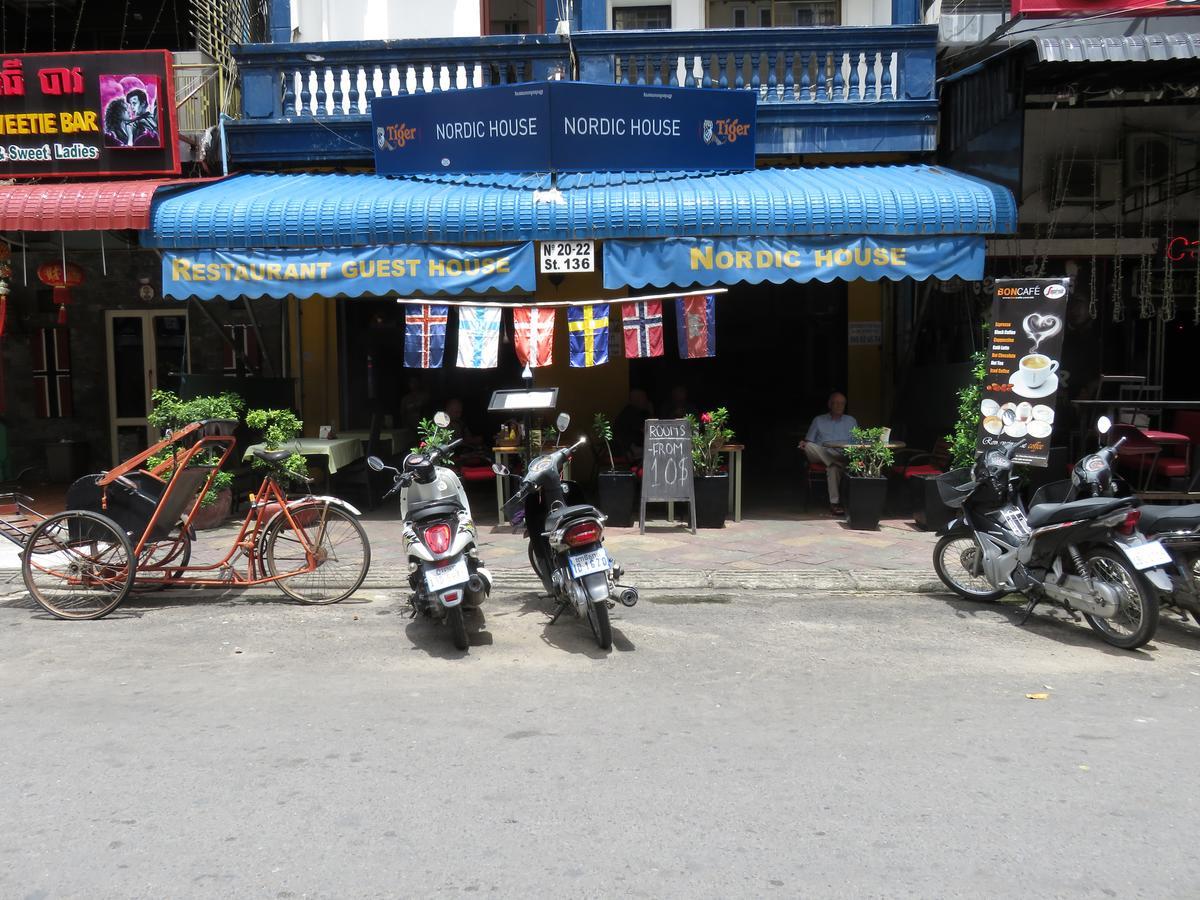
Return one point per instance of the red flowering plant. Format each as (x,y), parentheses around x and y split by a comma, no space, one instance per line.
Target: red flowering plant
(710,433)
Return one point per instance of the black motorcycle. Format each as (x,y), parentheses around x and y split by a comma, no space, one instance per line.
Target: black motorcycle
(566,543)
(1176,528)
(1085,555)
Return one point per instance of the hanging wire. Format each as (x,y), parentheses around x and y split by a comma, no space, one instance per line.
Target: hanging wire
(78,19)
(1168,301)
(124,23)
(1196,287)
(1060,195)
(25,43)
(154,27)
(1118,310)
(53,25)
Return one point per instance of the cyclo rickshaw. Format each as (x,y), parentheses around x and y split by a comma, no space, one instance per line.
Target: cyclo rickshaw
(130,529)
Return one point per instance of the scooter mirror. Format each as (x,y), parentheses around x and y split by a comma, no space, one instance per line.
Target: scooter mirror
(562,421)
(1104,424)
(375,463)
(499,469)
(441,420)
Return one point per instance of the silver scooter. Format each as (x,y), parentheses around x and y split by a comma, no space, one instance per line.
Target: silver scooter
(440,541)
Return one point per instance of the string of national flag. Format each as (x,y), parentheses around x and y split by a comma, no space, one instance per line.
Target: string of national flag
(588,327)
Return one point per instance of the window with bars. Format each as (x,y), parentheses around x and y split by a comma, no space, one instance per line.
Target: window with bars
(628,18)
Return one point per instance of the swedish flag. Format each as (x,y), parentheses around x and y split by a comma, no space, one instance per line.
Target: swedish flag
(588,327)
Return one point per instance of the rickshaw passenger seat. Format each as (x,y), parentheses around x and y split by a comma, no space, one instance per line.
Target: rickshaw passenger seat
(272,456)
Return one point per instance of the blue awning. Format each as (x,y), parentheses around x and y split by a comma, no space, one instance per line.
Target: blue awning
(335,210)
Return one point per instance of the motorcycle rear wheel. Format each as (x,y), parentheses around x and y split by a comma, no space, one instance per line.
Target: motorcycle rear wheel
(1137,619)
(955,556)
(597,615)
(458,627)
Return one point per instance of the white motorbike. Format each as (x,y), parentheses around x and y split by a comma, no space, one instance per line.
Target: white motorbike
(440,542)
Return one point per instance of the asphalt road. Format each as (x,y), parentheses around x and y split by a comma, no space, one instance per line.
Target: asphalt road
(770,745)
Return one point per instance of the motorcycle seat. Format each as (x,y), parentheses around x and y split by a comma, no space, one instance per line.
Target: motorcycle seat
(433,509)
(566,513)
(1091,508)
(1159,518)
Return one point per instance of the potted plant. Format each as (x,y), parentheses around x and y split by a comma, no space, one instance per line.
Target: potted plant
(867,458)
(617,489)
(277,427)
(710,432)
(170,413)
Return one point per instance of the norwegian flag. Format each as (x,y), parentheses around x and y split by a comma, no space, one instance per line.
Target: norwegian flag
(533,335)
(478,337)
(425,336)
(52,373)
(696,323)
(643,323)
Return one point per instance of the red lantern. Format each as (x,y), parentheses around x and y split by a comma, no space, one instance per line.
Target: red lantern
(62,279)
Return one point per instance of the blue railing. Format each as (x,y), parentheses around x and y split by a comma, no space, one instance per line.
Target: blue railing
(312,101)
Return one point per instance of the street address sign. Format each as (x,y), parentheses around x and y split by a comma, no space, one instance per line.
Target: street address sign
(556,257)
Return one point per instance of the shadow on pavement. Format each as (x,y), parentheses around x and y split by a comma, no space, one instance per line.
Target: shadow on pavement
(432,637)
(1047,621)
(571,633)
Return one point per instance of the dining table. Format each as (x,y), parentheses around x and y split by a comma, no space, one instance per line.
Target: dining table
(333,453)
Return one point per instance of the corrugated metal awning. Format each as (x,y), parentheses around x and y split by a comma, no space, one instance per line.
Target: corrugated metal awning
(335,210)
(1127,48)
(82,206)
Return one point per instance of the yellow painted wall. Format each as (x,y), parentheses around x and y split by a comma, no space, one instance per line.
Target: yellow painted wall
(865,364)
(318,363)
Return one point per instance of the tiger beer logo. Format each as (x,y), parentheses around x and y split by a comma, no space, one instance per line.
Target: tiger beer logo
(394,137)
(724,131)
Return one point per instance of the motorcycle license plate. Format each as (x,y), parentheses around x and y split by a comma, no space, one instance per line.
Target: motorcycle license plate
(448,576)
(1147,555)
(586,563)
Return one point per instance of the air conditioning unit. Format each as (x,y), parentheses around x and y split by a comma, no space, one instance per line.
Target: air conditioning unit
(1148,158)
(1086,182)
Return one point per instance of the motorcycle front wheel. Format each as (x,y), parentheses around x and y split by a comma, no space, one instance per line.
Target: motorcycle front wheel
(601,626)
(957,559)
(1137,619)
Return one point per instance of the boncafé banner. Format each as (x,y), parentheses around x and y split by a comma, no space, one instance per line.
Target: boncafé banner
(1021,381)
(106,113)
(352,272)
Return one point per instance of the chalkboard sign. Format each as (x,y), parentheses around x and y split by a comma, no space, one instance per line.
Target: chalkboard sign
(667,474)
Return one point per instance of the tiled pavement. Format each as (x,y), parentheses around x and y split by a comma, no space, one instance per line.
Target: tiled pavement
(765,549)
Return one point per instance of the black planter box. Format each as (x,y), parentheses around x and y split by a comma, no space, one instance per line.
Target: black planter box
(617,495)
(928,510)
(867,497)
(712,500)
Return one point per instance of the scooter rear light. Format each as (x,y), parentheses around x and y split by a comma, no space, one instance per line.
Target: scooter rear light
(437,537)
(583,533)
(1129,526)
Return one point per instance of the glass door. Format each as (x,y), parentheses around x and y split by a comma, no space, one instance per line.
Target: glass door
(147,350)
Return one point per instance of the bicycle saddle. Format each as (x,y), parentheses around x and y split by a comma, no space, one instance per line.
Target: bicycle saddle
(273,456)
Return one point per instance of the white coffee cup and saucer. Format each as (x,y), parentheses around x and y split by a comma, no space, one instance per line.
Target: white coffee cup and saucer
(1036,376)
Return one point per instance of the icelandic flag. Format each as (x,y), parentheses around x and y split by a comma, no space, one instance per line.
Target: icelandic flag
(696,321)
(643,329)
(533,335)
(478,337)
(588,327)
(424,336)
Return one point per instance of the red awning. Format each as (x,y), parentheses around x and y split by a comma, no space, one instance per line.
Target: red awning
(81,206)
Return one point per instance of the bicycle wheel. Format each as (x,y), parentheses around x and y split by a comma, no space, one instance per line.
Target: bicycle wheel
(161,562)
(78,565)
(327,551)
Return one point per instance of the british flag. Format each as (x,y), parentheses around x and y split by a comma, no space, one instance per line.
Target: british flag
(425,336)
(533,335)
(51,352)
(643,323)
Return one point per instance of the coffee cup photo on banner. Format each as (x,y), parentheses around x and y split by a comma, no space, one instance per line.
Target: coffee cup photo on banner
(1021,379)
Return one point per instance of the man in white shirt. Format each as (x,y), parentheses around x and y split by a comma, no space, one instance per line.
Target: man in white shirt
(832,426)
